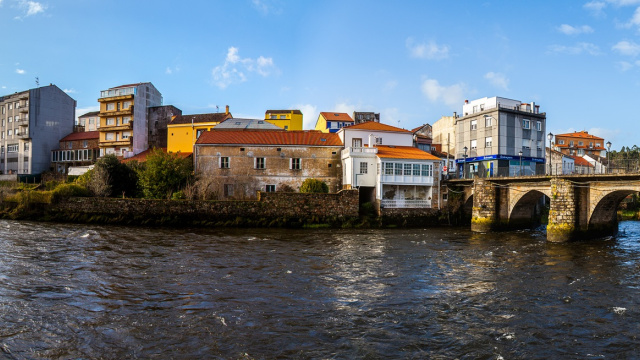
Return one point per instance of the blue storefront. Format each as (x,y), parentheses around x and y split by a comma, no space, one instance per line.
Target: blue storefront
(499,166)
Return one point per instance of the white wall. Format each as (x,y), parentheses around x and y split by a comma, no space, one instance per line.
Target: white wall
(388,137)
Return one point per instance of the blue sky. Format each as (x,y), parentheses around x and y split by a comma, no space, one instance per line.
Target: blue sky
(412,61)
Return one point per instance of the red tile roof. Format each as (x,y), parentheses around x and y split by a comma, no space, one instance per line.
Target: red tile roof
(404,152)
(332,116)
(85,135)
(142,157)
(580,134)
(578,161)
(269,137)
(371,125)
(200,118)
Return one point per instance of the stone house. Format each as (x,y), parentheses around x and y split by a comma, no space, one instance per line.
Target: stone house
(559,163)
(237,163)
(78,149)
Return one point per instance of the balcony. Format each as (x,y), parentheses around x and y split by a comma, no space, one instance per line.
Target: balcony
(107,128)
(359,151)
(23,134)
(121,142)
(405,204)
(115,98)
(23,96)
(111,113)
(24,109)
(406,179)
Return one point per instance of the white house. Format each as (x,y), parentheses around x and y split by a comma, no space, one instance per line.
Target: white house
(599,163)
(380,160)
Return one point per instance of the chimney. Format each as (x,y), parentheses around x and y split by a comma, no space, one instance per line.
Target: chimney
(227,110)
(372,140)
(455,115)
(466,101)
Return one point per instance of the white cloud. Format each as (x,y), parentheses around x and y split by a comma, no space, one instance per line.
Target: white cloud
(168,71)
(392,116)
(345,108)
(575,30)
(577,49)
(596,7)
(431,51)
(309,115)
(498,80)
(30,8)
(624,66)
(451,95)
(629,48)
(20,71)
(236,69)
(635,20)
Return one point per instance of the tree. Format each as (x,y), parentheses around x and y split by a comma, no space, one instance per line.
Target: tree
(163,174)
(120,178)
(314,186)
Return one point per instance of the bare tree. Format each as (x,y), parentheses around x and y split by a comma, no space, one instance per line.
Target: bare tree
(99,182)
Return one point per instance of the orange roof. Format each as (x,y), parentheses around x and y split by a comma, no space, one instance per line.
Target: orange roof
(578,161)
(580,134)
(331,116)
(84,135)
(404,152)
(269,137)
(372,125)
(142,157)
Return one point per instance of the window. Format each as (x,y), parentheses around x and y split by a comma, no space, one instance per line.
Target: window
(407,170)
(526,143)
(224,162)
(9,106)
(560,142)
(199,132)
(475,108)
(526,124)
(398,169)
(590,144)
(260,163)
(273,117)
(270,188)
(126,104)
(12,148)
(16,118)
(9,132)
(378,140)
(111,107)
(286,127)
(356,142)
(364,167)
(487,121)
(580,143)
(3,122)
(69,145)
(474,144)
(539,144)
(126,134)
(126,119)
(228,190)
(109,136)
(388,168)
(474,124)
(427,170)
(296,164)
(488,141)
(10,119)
(539,125)
(111,121)
(283,117)
(91,121)
(85,143)
(416,170)
(571,143)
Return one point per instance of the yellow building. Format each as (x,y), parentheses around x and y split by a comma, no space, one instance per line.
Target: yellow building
(184,130)
(286,119)
(123,118)
(329,122)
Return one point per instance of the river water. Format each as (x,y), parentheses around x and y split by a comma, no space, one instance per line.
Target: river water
(103,292)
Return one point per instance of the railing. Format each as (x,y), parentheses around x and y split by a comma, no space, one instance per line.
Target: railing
(405,204)
(406,179)
(359,150)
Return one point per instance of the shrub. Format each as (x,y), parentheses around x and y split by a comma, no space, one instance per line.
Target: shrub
(163,174)
(116,179)
(64,191)
(314,186)
(178,195)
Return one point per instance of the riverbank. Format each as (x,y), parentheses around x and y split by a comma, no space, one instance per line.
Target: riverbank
(270,210)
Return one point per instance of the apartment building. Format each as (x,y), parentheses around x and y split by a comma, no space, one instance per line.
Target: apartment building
(285,119)
(89,121)
(363,116)
(32,123)
(500,137)
(579,143)
(329,122)
(124,121)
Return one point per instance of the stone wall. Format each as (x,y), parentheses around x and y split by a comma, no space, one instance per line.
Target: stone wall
(271,209)
(484,206)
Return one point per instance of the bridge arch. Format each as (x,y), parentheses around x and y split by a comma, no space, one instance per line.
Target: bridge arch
(603,217)
(524,207)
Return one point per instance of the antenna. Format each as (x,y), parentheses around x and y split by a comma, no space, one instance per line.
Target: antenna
(217,108)
(37,81)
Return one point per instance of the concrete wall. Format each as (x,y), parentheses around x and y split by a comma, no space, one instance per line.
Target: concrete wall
(444,134)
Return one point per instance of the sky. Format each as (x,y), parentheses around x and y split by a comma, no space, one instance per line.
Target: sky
(412,61)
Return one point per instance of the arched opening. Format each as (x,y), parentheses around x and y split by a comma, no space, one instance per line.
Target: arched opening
(604,219)
(467,208)
(530,211)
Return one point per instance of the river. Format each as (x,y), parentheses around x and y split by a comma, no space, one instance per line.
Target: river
(105,292)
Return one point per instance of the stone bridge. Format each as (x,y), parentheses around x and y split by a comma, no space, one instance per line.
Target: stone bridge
(581,206)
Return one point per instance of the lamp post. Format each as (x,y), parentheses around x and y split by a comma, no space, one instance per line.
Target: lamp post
(608,150)
(550,137)
(464,164)
(520,153)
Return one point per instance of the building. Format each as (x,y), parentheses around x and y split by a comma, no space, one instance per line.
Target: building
(285,119)
(382,163)
(500,137)
(422,137)
(124,122)
(443,133)
(239,162)
(247,124)
(184,130)
(89,121)
(78,149)
(159,119)
(599,163)
(33,122)
(579,143)
(558,163)
(360,117)
(582,166)
(329,122)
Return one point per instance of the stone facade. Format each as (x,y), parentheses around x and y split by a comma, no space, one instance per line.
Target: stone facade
(159,118)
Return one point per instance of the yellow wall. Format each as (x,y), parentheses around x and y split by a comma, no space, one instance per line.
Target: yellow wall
(291,121)
(182,137)
(321,124)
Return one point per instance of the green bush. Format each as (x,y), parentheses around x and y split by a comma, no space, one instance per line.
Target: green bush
(163,174)
(314,186)
(51,184)
(178,195)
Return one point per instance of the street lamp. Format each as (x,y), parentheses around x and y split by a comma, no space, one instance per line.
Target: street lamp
(520,153)
(608,150)
(464,164)
(550,137)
